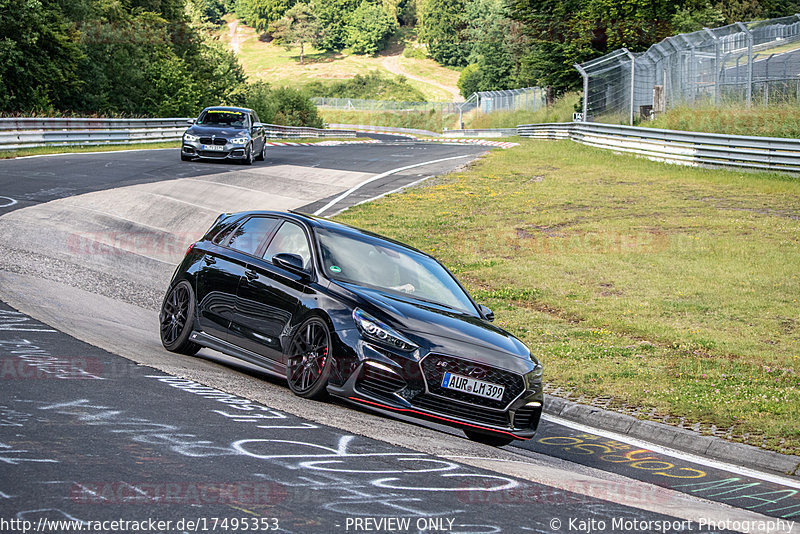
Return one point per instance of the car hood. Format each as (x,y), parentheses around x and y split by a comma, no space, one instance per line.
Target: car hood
(208,131)
(438,324)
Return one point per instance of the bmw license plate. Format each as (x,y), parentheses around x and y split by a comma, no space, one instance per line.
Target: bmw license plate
(218,148)
(473,386)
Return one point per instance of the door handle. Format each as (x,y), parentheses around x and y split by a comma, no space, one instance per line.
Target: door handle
(251,275)
(209,260)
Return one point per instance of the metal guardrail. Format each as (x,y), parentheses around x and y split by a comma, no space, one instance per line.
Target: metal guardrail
(16,133)
(672,146)
(483,132)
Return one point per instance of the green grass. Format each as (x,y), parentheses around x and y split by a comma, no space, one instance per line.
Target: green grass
(280,67)
(776,121)
(668,288)
(433,121)
(5,154)
(560,111)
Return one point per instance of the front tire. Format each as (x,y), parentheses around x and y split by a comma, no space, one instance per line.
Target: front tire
(176,319)
(249,159)
(494,440)
(309,359)
(263,154)
(186,158)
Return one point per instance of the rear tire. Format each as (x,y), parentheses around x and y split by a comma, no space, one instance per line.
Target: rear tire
(308,364)
(494,440)
(176,319)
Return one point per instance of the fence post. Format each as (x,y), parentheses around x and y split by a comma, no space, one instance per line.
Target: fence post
(585,91)
(633,80)
(749,63)
(716,66)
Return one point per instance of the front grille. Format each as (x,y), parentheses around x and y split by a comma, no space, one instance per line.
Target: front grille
(379,382)
(217,141)
(212,154)
(435,365)
(470,413)
(525,417)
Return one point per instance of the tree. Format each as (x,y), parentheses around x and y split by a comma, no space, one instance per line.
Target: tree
(369,27)
(298,27)
(261,13)
(39,56)
(332,17)
(441,23)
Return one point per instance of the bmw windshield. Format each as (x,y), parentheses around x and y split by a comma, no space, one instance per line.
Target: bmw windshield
(377,264)
(217,117)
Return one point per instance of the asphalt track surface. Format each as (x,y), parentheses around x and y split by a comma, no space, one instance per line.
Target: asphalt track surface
(91,436)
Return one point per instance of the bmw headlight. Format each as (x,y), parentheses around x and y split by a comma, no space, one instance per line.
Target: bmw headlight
(374,329)
(189,137)
(239,141)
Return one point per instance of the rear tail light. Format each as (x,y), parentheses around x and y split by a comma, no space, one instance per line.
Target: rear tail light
(188,250)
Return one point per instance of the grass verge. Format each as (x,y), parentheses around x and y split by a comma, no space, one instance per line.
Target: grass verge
(432,120)
(561,111)
(777,121)
(6,154)
(669,292)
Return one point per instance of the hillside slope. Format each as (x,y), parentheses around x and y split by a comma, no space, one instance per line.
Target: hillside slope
(281,67)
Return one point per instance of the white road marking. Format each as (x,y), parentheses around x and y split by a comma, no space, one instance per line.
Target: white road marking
(412,184)
(689,457)
(10,202)
(378,177)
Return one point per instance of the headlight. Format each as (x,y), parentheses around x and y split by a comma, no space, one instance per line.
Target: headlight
(374,329)
(189,137)
(239,141)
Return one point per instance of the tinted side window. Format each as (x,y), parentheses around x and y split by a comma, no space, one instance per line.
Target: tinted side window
(255,117)
(248,236)
(290,239)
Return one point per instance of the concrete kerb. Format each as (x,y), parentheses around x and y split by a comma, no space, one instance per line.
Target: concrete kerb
(676,438)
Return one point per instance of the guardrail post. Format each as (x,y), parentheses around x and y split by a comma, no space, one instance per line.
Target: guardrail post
(585,91)
(749,62)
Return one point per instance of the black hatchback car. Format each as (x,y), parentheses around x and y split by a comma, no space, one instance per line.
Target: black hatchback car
(225,133)
(338,310)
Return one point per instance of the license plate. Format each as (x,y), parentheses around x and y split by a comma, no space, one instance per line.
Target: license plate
(472,386)
(218,148)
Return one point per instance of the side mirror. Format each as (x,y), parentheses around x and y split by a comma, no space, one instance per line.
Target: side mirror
(291,262)
(486,312)
(258,125)
(190,121)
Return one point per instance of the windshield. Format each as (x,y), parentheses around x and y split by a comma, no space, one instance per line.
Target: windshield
(219,117)
(389,267)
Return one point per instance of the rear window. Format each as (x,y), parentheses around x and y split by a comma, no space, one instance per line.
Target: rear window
(248,236)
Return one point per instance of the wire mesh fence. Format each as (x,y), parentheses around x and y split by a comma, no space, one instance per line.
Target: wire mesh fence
(529,98)
(753,63)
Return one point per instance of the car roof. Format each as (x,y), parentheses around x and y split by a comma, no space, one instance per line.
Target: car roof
(321,222)
(229,108)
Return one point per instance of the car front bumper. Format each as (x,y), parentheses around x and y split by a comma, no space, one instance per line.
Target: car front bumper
(395,384)
(195,149)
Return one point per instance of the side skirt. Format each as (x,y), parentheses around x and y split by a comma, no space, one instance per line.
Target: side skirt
(207,340)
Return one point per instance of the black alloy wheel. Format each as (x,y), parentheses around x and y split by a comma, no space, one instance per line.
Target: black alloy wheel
(309,359)
(495,440)
(176,319)
(249,155)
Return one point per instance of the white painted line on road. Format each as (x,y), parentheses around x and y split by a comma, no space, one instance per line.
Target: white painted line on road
(412,184)
(10,202)
(689,457)
(378,177)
